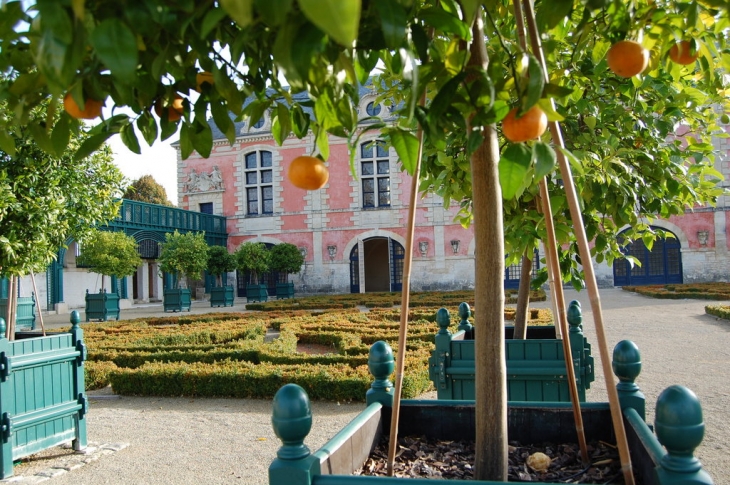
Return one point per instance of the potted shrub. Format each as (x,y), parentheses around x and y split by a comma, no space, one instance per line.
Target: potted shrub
(220,261)
(109,254)
(253,257)
(285,259)
(185,256)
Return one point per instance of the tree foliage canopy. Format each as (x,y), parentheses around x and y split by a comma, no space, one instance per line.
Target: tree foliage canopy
(286,258)
(621,133)
(253,257)
(220,261)
(184,255)
(45,198)
(147,189)
(110,253)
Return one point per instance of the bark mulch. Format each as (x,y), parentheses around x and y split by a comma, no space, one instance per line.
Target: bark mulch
(454,460)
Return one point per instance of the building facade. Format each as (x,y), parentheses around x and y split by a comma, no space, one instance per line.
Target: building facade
(352,232)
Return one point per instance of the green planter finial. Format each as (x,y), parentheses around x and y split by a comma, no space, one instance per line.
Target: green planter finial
(292,420)
(680,428)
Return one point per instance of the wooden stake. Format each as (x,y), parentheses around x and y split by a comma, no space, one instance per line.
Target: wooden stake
(551,252)
(584,251)
(40,313)
(405,301)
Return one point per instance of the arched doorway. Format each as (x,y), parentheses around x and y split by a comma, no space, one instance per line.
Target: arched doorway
(661,265)
(383,265)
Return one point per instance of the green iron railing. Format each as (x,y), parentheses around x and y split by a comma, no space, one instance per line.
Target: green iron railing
(138,216)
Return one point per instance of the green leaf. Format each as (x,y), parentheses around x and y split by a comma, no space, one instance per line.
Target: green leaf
(92,144)
(283,124)
(406,146)
(300,121)
(323,143)
(337,18)
(202,138)
(223,120)
(273,11)
(545,159)
(551,12)
(61,135)
(186,143)
(470,9)
(535,84)
(590,122)
(167,128)
(392,22)
(116,46)
(7,143)
(147,125)
(211,21)
(241,11)
(556,91)
(513,166)
(129,138)
(446,23)
(41,137)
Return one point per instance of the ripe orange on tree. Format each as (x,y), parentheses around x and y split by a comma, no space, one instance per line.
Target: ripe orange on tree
(308,173)
(627,58)
(681,53)
(92,108)
(203,77)
(174,110)
(529,126)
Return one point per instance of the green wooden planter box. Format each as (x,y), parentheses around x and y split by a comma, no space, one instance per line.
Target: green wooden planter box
(535,366)
(284,290)
(662,459)
(42,394)
(176,300)
(257,293)
(221,296)
(101,306)
(25,319)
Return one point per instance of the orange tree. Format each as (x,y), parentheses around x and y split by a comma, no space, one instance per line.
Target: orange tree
(459,56)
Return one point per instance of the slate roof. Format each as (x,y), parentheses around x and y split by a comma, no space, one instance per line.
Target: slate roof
(240,126)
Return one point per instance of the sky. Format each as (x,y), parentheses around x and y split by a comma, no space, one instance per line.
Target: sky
(160,161)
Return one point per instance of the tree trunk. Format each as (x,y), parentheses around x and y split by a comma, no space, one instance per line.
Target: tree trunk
(523,297)
(490,368)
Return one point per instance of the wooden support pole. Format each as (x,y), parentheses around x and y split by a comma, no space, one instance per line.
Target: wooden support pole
(585,255)
(405,302)
(551,252)
(38,305)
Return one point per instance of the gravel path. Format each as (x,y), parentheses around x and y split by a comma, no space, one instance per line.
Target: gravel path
(222,441)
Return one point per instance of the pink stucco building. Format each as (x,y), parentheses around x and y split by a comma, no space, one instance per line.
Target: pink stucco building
(352,231)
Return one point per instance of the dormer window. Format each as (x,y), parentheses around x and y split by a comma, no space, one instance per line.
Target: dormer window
(373,109)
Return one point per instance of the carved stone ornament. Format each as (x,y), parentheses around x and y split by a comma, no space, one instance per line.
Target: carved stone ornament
(204,182)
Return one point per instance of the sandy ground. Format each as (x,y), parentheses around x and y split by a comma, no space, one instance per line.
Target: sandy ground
(221,441)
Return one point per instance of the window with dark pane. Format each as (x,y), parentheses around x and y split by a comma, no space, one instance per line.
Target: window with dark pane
(206,207)
(259,179)
(373,109)
(375,174)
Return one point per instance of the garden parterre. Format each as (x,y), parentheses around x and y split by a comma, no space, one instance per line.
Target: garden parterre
(227,354)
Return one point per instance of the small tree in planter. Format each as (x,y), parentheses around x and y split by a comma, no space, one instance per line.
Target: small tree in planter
(254,258)
(109,254)
(220,261)
(285,258)
(186,256)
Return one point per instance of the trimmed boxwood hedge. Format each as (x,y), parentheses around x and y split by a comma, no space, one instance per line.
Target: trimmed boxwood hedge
(698,291)
(384,300)
(722,311)
(226,355)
